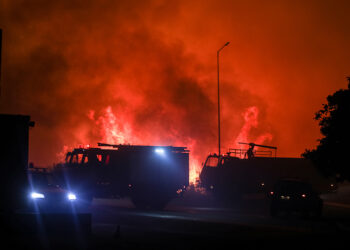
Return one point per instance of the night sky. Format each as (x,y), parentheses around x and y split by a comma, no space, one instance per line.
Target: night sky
(145,72)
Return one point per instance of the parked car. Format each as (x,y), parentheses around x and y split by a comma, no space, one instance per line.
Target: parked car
(295,196)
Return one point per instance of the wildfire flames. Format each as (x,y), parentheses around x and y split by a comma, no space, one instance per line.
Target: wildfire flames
(251,121)
(116,131)
(113,131)
(145,72)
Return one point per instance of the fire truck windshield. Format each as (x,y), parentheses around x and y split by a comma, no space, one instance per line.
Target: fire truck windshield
(212,161)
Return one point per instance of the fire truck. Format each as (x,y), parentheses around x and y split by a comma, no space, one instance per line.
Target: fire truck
(150,175)
(246,171)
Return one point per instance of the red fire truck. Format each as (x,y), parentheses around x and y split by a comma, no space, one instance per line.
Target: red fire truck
(150,175)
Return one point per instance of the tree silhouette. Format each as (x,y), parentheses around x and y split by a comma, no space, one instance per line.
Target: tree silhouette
(332,155)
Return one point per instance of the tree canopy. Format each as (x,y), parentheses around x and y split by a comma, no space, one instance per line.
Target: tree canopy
(332,155)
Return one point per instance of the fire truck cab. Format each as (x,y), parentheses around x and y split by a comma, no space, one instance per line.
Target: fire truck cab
(150,175)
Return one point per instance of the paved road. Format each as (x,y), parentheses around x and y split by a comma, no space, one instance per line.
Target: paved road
(198,221)
(192,222)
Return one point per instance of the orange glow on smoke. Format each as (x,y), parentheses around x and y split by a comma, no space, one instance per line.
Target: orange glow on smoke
(115,131)
(145,72)
(250,116)
(112,130)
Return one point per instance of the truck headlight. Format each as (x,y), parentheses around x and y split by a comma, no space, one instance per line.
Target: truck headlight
(71,196)
(35,195)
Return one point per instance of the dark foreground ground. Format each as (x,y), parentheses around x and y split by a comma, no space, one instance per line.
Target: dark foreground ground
(194,221)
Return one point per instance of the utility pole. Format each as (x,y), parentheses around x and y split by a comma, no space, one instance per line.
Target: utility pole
(219,141)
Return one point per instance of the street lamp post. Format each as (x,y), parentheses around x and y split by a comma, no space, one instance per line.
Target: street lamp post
(219,142)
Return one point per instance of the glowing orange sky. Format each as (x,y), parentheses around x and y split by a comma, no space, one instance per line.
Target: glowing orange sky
(154,64)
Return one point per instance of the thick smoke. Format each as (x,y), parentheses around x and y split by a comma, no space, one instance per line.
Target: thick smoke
(152,66)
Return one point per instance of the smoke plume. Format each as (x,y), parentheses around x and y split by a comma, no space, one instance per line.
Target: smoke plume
(144,72)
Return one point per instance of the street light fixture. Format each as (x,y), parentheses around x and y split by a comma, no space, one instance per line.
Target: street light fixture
(219,96)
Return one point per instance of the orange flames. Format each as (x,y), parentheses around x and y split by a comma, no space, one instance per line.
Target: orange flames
(250,122)
(112,130)
(117,131)
(145,72)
